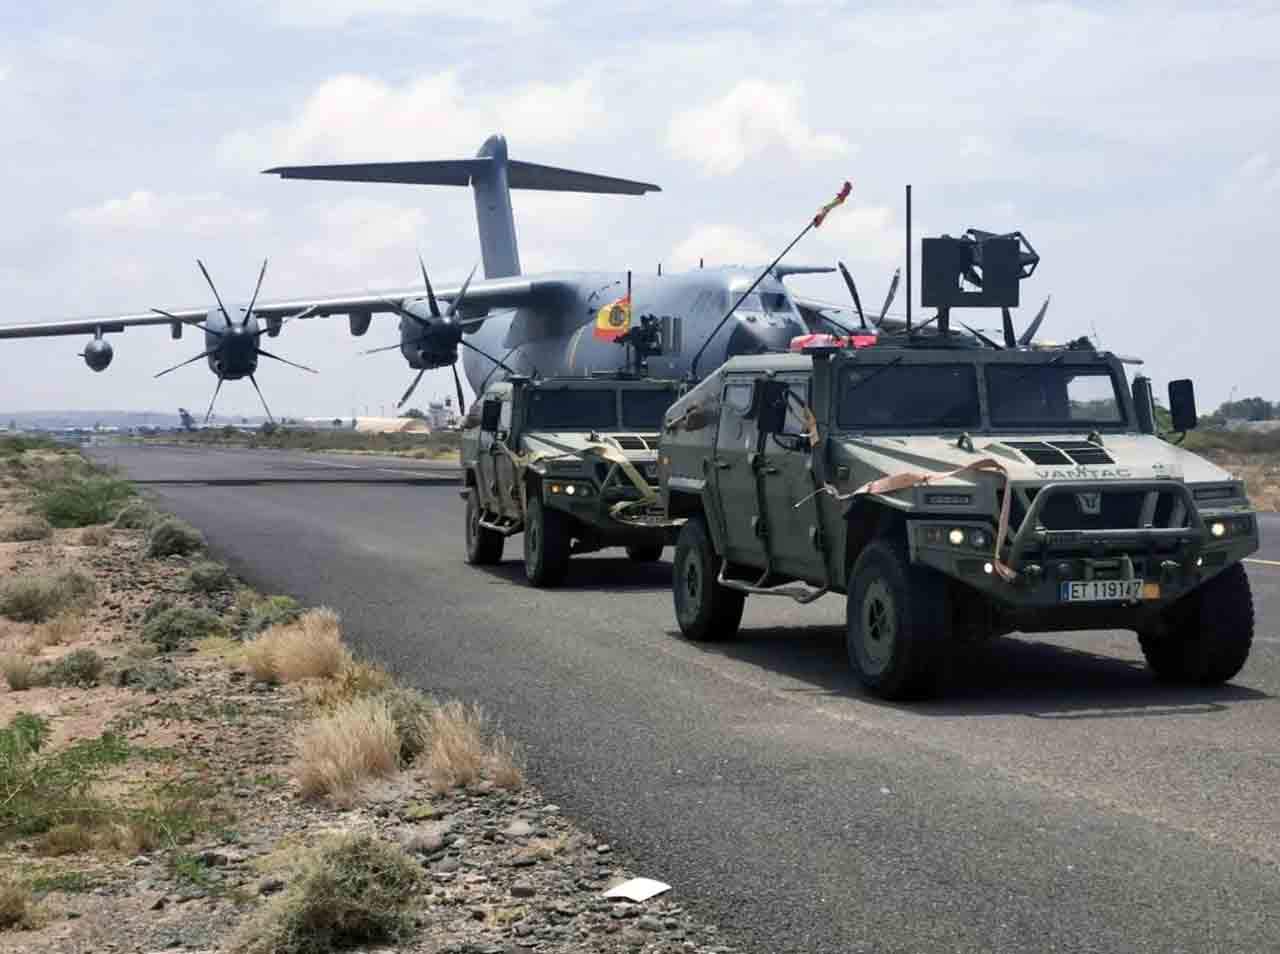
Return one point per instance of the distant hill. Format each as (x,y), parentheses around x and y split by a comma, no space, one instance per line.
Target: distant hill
(121,419)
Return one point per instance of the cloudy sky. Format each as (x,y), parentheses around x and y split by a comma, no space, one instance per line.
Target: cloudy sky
(1139,148)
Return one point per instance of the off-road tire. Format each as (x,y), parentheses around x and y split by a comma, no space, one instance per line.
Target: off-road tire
(546,543)
(897,623)
(484,546)
(1207,635)
(644,552)
(705,610)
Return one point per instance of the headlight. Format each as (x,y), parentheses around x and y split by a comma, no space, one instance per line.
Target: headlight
(1222,527)
(1218,528)
(979,539)
(956,537)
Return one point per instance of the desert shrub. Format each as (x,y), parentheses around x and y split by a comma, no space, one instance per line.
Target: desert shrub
(15,905)
(173,537)
(95,536)
(135,515)
(356,891)
(265,612)
(310,647)
(505,762)
(176,627)
(39,791)
(208,576)
(13,445)
(80,669)
(335,753)
(357,678)
(34,598)
(148,677)
(84,501)
(24,528)
(458,752)
(156,607)
(19,672)
(411,711)
(63,628)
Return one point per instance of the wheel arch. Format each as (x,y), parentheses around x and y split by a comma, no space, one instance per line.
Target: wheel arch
(869,520)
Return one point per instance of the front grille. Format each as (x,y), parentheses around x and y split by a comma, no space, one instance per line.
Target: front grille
(631,442)
(1084,452)
(1117,509)
(1038,452)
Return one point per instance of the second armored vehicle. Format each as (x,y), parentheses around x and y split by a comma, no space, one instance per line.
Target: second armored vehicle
(956,492)
(569,462)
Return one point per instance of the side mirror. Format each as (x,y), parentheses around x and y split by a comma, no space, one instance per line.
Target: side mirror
(1182,405)
(771,406)
(1144,404)
(490,414)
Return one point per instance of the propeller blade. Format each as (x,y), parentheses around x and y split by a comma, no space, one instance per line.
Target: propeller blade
(457,383)
(248,312)
(412,387)
(194,324)
(853,292)
(398,344)
(1010,339)
(1032,328)
(980,336)
(835,324)
(292,364)
(254,382)
(207,354)
(221,307)
(462,293)
(209,413)
(485,354)
(893,291)
(431,295)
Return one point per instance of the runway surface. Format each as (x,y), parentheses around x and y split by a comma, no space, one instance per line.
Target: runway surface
(1056,800)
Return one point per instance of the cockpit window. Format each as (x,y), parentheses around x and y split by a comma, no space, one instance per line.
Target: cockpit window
(776,302)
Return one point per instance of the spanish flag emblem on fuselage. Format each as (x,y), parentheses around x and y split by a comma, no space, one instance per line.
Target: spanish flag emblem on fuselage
(614,319)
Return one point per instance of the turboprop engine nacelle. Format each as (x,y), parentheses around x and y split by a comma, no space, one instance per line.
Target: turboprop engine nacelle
(97,354)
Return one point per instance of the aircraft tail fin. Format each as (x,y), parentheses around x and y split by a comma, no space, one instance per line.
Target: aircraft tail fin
(491,176)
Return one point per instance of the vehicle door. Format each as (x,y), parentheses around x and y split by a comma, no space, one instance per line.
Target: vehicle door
(504,467)
(486,446)
(735,481)
(787,481)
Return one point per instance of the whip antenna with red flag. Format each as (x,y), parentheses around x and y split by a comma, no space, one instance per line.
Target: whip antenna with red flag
(845,191)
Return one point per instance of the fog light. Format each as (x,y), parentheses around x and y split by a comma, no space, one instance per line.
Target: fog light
(555,488)
(571,490)
(988,569)
(956,537)
(1218,528)
(979,539)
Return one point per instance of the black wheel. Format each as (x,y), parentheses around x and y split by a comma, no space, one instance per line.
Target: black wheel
(705,610)
(897,623)
(644,552)
(546,542)
(484,547)
(1205,637)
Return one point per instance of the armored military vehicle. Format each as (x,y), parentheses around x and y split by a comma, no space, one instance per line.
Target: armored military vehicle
(569,462)
(954,488)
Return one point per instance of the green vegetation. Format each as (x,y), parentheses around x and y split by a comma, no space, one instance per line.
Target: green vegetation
(148,677)
(266,612)
(80,669)
(358,890)
(411,711)
(208,576)
(14,446)
(135,515)
(82,501)
(419,444)
(25,528)
(1204,440)
(176,627)
(173,537)
(34,598)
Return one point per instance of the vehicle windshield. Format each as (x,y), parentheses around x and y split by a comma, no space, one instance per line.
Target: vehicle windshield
(593,409)
(643,410)
(1053,395)
(905,396)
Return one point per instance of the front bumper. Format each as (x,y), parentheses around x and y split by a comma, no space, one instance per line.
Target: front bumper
(1161,540)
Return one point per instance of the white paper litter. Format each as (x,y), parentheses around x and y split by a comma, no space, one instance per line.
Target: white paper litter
(637,889)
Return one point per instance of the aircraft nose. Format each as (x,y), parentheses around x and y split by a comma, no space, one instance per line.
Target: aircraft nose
(757,338)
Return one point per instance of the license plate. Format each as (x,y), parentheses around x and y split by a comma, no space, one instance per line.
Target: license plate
(1101,591)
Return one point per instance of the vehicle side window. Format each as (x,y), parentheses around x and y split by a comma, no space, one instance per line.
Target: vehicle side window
(735,429)
(796,423)
(504,419)
(737,397)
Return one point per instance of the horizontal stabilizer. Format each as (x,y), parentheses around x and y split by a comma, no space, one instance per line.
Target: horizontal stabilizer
(782,271)
(461,172)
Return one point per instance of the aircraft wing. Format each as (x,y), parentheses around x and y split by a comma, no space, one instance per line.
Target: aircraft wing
(481,296)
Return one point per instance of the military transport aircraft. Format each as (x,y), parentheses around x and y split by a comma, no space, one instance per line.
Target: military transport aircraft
(557,323)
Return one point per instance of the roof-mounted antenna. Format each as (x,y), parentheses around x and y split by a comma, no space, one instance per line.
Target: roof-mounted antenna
(908,260)
(813,223)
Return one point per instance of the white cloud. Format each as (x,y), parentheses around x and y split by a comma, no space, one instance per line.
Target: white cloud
(160,212)
(719,245)
(336,13)
(867,233)
(1257,175)
(357,117)
(752,117)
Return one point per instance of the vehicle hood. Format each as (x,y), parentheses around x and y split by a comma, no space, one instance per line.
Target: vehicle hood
(1133,457)
(553,443)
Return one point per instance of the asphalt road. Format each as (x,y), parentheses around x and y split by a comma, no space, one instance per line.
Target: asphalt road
(1056,800)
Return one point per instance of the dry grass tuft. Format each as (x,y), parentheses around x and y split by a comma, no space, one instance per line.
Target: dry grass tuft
(15,906)
(24,528)
(335,753)
(19,672)
(357,678)
(457,755)
(36,597)
(72,838)
(506,763)
(308,648)
(64,628)
(95,536)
